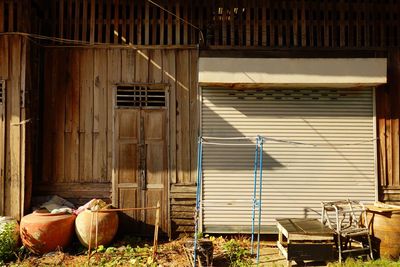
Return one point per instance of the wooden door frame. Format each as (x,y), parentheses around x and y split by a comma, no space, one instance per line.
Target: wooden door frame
(114,189)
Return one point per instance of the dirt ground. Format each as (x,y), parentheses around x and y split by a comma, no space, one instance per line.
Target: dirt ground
(137,252)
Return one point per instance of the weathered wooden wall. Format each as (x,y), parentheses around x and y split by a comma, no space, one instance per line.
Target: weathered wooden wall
(15,126)
(226,23)
(388,114)
(77,116)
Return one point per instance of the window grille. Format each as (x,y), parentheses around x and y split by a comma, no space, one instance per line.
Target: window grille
(141,96)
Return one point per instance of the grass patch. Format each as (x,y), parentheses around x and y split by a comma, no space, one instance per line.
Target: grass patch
(360,263)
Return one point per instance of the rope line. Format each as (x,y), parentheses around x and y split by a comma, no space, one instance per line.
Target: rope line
(280,141)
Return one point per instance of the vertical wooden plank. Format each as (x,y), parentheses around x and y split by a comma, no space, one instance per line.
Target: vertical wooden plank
(114,76)
(303,24)
(224,17)
(47,123)
(61,19)
(255,23)
(154,22)
(4,48)
(185,25)
(232,22)
(75,100)
(264,23)
(177,24)
(280,9)
(61,80)
(248,24)
(131,22)
(70,22)
(116,32)
(169,76)
(162,25)
(326,24)
(3,66)
(240,23)
(295,23)
(194,114)
(146,23)
(108,21)
(382,114)
(92,20)
(271,23)
(123,32)
(84,20)
(183,134)
(100,116)
(77,19)
(128,60)
(23,186)
(170,6)
(3,75)
(139,22)
(86,116)
(2,15)
(155,66)
(11,17)
(68,120)
(15,133)
(142,66)
(100,21)
(394,83)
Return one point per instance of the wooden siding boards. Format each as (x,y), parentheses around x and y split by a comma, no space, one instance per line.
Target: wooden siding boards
(388,113)
(85,107)
(14,168)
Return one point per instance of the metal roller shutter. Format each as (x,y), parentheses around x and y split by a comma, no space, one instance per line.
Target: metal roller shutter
(333,159)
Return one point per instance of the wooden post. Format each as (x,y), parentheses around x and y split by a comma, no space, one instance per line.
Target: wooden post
(156,225)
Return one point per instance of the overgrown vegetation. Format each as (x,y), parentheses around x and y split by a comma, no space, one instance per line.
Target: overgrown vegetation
(8,241)
(237,254)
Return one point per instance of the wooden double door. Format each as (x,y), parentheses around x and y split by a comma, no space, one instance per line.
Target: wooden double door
(141,167)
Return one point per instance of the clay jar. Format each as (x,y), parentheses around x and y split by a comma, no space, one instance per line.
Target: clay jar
(42,232)
(107,226)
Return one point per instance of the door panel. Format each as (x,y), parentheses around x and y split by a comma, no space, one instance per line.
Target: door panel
(141,166)
(156,162)
(128,162)
(126,187)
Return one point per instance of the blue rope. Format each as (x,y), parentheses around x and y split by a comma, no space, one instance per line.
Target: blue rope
(254,195)
(198,191)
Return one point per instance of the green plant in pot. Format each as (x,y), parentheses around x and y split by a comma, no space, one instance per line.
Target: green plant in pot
(9,238)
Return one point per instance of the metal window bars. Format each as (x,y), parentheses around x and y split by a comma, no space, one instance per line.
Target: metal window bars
(350,223)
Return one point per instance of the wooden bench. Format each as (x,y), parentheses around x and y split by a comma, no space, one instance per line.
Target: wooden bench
(306,239)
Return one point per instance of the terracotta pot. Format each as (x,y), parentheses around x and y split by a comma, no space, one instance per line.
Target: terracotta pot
(107,226)
(42,232)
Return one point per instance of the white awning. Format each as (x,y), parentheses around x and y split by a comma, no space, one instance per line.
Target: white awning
(293,72)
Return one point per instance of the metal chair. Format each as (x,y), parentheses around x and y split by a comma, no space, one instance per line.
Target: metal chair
(350,223)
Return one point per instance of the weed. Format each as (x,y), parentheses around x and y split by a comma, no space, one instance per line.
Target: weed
(8,241)
(238,256)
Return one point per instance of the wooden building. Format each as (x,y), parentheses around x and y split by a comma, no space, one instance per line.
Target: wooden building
(106,99)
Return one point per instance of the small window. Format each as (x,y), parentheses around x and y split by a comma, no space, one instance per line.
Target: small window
(141,96)
(2,91)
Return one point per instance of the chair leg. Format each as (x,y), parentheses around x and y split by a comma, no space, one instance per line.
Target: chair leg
(370,247)
(340,248)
